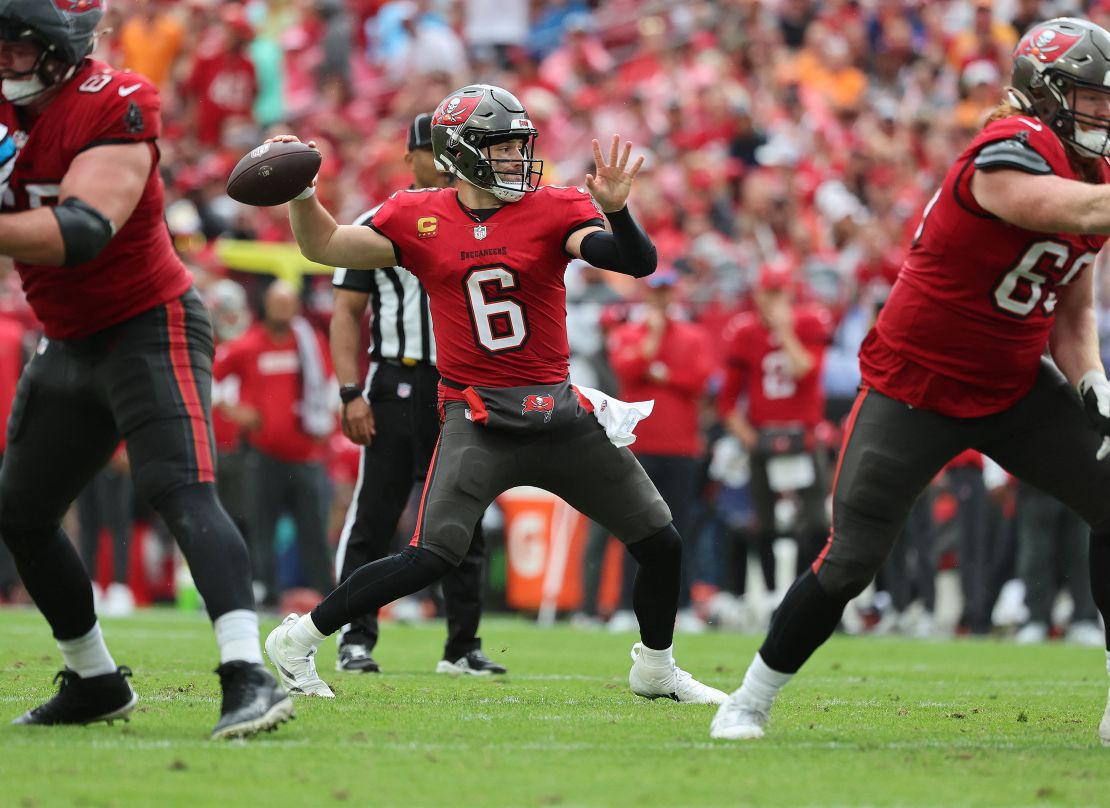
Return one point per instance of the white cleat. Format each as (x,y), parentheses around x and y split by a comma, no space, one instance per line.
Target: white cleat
(296,665)
(669,682)
(740,719)
(1104,726)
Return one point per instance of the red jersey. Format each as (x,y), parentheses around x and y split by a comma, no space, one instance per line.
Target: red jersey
(139,268)
(756,365)
(11,367)
(966,323)
(225,86)
(496,286)
(686,354)
(269,374)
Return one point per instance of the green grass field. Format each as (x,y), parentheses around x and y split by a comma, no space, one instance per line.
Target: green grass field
(869,722)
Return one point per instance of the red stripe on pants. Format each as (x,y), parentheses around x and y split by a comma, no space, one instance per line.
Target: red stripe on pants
(186,384)
(836,475)
(423,494)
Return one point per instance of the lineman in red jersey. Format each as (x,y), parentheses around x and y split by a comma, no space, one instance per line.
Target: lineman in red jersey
(999,270)
(491,254)
(127,354)
(774,357)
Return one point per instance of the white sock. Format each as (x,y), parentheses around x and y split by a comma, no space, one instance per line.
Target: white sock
(305,633)
(88,655)
(657,658)
(1108,662)
(762,683)
(237,636)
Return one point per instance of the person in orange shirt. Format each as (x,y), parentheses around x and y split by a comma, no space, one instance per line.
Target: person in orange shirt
(151,41)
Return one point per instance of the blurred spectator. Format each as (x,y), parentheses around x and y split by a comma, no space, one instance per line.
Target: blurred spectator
(285,410)
(11,366)
(151,40)
(1052,555)
(222,85)
(771,400)
(494,26)
(107,504)
(662,357)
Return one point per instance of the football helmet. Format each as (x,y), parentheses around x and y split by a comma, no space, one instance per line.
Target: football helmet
(468,122)
(1053,62)
(64,29)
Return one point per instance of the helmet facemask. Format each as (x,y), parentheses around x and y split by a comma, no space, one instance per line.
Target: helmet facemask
(49,70)
(512,177)
(1088,132)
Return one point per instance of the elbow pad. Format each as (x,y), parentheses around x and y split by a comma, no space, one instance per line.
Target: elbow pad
(627,249)
(85,230)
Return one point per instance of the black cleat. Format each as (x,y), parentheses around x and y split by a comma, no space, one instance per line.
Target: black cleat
(355,658)
(473,663)
(253,701)
(85,701)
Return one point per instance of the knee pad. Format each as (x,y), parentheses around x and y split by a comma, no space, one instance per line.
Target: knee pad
(664,547)
(845,580)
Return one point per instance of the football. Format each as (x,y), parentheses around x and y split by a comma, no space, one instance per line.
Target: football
(273,173)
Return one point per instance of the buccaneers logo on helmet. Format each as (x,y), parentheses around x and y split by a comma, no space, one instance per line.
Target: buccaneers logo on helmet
(78,6)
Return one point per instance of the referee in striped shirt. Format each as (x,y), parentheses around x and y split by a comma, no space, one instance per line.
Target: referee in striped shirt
(395,417)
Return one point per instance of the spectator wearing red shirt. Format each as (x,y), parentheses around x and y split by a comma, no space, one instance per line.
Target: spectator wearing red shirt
(773,364)
(669,360)
(284,374)
(222,85)
(11,366)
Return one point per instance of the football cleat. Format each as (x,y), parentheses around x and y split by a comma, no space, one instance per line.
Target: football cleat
(473,663)
(295,663)
(741,719)
(669,682)
(253,701)
(85,701)
(355,658)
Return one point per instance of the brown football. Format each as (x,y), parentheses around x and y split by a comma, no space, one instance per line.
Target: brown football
(273,173)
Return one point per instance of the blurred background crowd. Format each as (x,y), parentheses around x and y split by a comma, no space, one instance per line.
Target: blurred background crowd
(790,145)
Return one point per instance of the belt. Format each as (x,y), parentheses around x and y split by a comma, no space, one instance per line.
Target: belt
(405,362)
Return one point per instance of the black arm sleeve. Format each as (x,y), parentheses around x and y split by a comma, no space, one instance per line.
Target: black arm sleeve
(627,249)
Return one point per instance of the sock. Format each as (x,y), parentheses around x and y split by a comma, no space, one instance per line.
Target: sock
(88,655)
(762,683)
(306,634)
(658,580)
(1108,663)
(237,636)
(663,658)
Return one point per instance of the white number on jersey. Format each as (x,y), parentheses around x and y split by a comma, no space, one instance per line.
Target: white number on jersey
(499,324)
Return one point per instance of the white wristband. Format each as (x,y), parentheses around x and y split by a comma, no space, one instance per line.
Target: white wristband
(1090,379)
(306,193)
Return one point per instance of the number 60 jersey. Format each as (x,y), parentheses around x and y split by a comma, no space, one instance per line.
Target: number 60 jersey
(139,268)
(966,323)
(494,283)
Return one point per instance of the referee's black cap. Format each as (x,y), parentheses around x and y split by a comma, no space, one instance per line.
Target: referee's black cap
(420,132)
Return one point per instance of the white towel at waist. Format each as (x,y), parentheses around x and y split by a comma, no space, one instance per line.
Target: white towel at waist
(618,418)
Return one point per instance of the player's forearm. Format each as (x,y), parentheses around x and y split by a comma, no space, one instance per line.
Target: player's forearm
(32,237)
(313,228)
(345,342)
(801,362)
(1074,344)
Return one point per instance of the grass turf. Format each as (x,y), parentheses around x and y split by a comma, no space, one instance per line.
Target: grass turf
(878,722)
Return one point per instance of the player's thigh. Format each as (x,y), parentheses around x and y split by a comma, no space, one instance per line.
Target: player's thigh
(470,466)
(604,482)
(159,382)
(891,451)
(59,435)
(1046,440)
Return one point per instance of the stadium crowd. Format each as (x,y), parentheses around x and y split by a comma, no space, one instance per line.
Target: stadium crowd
(791,148)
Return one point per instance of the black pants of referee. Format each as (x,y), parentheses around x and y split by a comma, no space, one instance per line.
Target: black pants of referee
(406,417)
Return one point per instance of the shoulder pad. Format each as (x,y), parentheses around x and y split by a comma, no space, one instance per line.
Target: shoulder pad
(1013,153)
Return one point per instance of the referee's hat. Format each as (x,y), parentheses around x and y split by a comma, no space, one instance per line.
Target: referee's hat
(420,132)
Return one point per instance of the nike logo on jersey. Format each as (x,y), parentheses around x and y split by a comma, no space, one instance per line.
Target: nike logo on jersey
(126,91)
(1036,127)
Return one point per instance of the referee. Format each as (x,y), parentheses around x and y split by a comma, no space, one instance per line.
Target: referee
(398,428)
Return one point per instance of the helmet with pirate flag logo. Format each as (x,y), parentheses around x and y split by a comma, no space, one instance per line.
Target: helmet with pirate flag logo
(472,119)
(63,29)
(1061,75)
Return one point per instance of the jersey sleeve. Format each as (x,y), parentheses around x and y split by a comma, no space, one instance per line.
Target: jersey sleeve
(111,107)
(1029,135)
(357,280)
(580,210)
(388,221)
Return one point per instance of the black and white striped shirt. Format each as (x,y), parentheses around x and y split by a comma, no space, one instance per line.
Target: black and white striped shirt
(401,321)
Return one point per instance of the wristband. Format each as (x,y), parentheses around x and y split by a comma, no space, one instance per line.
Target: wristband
(349,392)
(306,193)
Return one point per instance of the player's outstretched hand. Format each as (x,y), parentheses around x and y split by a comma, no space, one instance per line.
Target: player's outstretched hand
(612,181)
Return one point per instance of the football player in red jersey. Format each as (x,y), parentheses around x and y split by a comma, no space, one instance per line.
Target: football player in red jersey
(127,354)
(1000,269)
(491,254)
